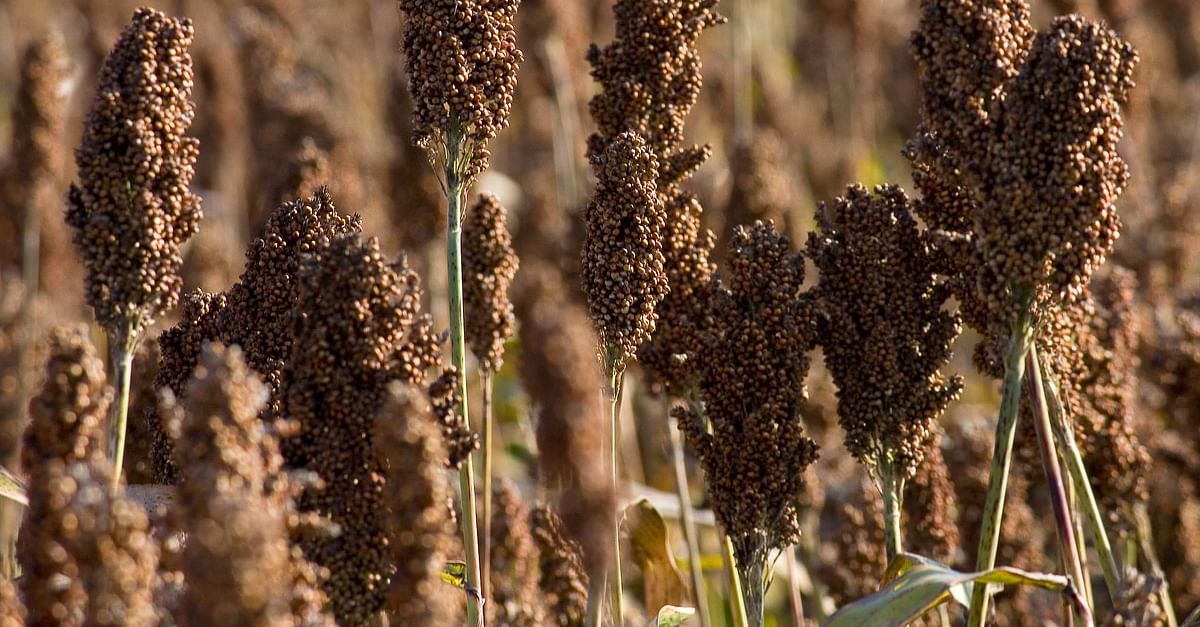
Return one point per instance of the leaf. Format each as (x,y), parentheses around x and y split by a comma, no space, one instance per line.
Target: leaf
(671,615)
(1193,619)
(12,488)
(662,583)
(915,584)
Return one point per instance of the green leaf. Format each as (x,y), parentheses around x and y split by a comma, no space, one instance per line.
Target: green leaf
(11,488)
(671,615)
(915,584)
(662,582)
(1193,619)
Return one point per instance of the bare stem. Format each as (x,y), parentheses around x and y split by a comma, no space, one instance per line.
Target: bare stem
(993,510)
(466,475)
(1065,438)
(486,380)
(1145,537)
(616,378)
(121,347)
(797,599)
(688,521)
(1054,480)
(893,493)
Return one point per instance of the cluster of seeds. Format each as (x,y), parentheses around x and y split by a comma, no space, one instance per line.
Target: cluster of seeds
(133,207)
(489,266)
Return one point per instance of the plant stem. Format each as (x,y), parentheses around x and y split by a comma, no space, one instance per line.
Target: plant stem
(893,491)
(1145,537)
(688,521)
(616,389)
(466,474)
(486,381)
(1054,479)
(1065,438)
(121,347)
(797,599)
(737,595)
(594,617)
(993,510)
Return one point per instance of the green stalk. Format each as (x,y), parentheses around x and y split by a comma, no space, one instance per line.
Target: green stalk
(466,474)
(594,615)
(486,381)
(121,348)
(616,389)
(993,510)
(1145,538)
(688,521)
(1064,527)
(737,595)
(893,494)
(1065,438)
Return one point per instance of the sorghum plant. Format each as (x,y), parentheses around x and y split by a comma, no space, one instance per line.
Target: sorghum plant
(133,208)
(462,61)
(753,369)
(489,266)
(884,334)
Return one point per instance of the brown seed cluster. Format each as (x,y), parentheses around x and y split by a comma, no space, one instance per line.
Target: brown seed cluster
(559,371)
(649,80)
(132,208)
(462,61)
(967,51)
(457,437)
(563,580)
(12,359)
(237,562)
(12,610)
(884,332)
(143,398)
(418,522)
(360,319)
(931,509)
(1049,219)
(761,187)
(853,547)
(489,266)
(254,314)
(623,274)
(754,365)
(516,599)
(65,430)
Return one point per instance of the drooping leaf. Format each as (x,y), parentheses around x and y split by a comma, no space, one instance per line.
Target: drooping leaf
(915,584)
(661,581)
(671,615)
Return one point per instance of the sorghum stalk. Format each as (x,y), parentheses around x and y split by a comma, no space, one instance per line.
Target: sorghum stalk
(688,522)
(1058,494)
(1146,539)
(486,382)
(893,491)
(1020,340)
(122,349)
(1079,478)
(615,392)
(797,598)
(466,475)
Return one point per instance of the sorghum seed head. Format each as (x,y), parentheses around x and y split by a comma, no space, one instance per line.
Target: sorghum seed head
(67,414)
(418,522)
(753,367)
(358,326)
(489,265)
(563,578)
(623,274)
(462,61)
(883,329)
(516,599)
(133,208)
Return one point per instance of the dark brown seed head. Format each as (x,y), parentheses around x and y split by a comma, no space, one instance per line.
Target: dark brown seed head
(623,274)
(358,326)
(255,313)
(67,415)
(462,61)
(883,329)
(563,579)
(516,599)
(753,368)
(420,532)
(133,208)
(559,370)
(489,265)
(1049,219)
